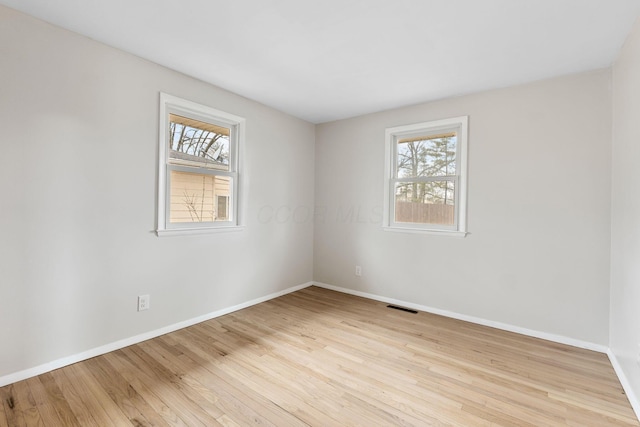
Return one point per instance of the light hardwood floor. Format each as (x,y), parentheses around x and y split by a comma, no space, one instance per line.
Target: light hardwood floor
(322,358)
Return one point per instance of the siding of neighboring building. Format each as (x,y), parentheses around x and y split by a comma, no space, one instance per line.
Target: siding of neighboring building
(194,197)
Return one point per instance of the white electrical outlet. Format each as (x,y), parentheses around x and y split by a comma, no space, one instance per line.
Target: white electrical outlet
(358,271)
(144,302)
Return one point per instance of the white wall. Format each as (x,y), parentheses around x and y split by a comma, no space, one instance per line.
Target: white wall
(625,212)
(539,212)
(78,162)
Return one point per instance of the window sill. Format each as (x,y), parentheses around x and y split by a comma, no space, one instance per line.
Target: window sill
(447,233)
(196,231)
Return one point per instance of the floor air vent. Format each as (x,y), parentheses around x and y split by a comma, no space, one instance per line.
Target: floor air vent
(408,310)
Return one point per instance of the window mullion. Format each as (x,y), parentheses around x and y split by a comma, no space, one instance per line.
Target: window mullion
(427,178)
(202,171)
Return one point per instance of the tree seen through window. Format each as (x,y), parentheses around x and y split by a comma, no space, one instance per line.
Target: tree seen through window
(420,157)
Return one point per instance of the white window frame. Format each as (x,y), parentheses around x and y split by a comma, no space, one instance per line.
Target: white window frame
(170,104)
(392,135)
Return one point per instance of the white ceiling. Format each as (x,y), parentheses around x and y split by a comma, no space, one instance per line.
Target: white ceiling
(323,60)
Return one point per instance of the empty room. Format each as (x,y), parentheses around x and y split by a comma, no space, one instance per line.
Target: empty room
(320,213)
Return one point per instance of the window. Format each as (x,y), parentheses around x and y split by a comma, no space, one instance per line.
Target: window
(426,177)
(198,170)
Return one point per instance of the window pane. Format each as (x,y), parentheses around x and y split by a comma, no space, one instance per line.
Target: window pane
(193,197)
(425,202)
(223,208)
(193,142)
(433,155)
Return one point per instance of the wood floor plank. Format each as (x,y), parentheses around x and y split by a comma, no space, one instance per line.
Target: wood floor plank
(322,358)
(123,394)
(73,399)
(150,389)
(30,411)
(83,395)
(3,417)
(408,382)
(12,405)
(173,358)
(4,395)
(167,384)
(61,403)
(46,404)
(235,397)
(96,394)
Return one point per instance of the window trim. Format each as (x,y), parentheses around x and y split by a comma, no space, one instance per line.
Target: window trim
(460,124)
(170,104)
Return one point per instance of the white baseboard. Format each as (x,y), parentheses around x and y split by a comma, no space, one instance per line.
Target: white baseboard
(504,326)
(626,385)
(69,360)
